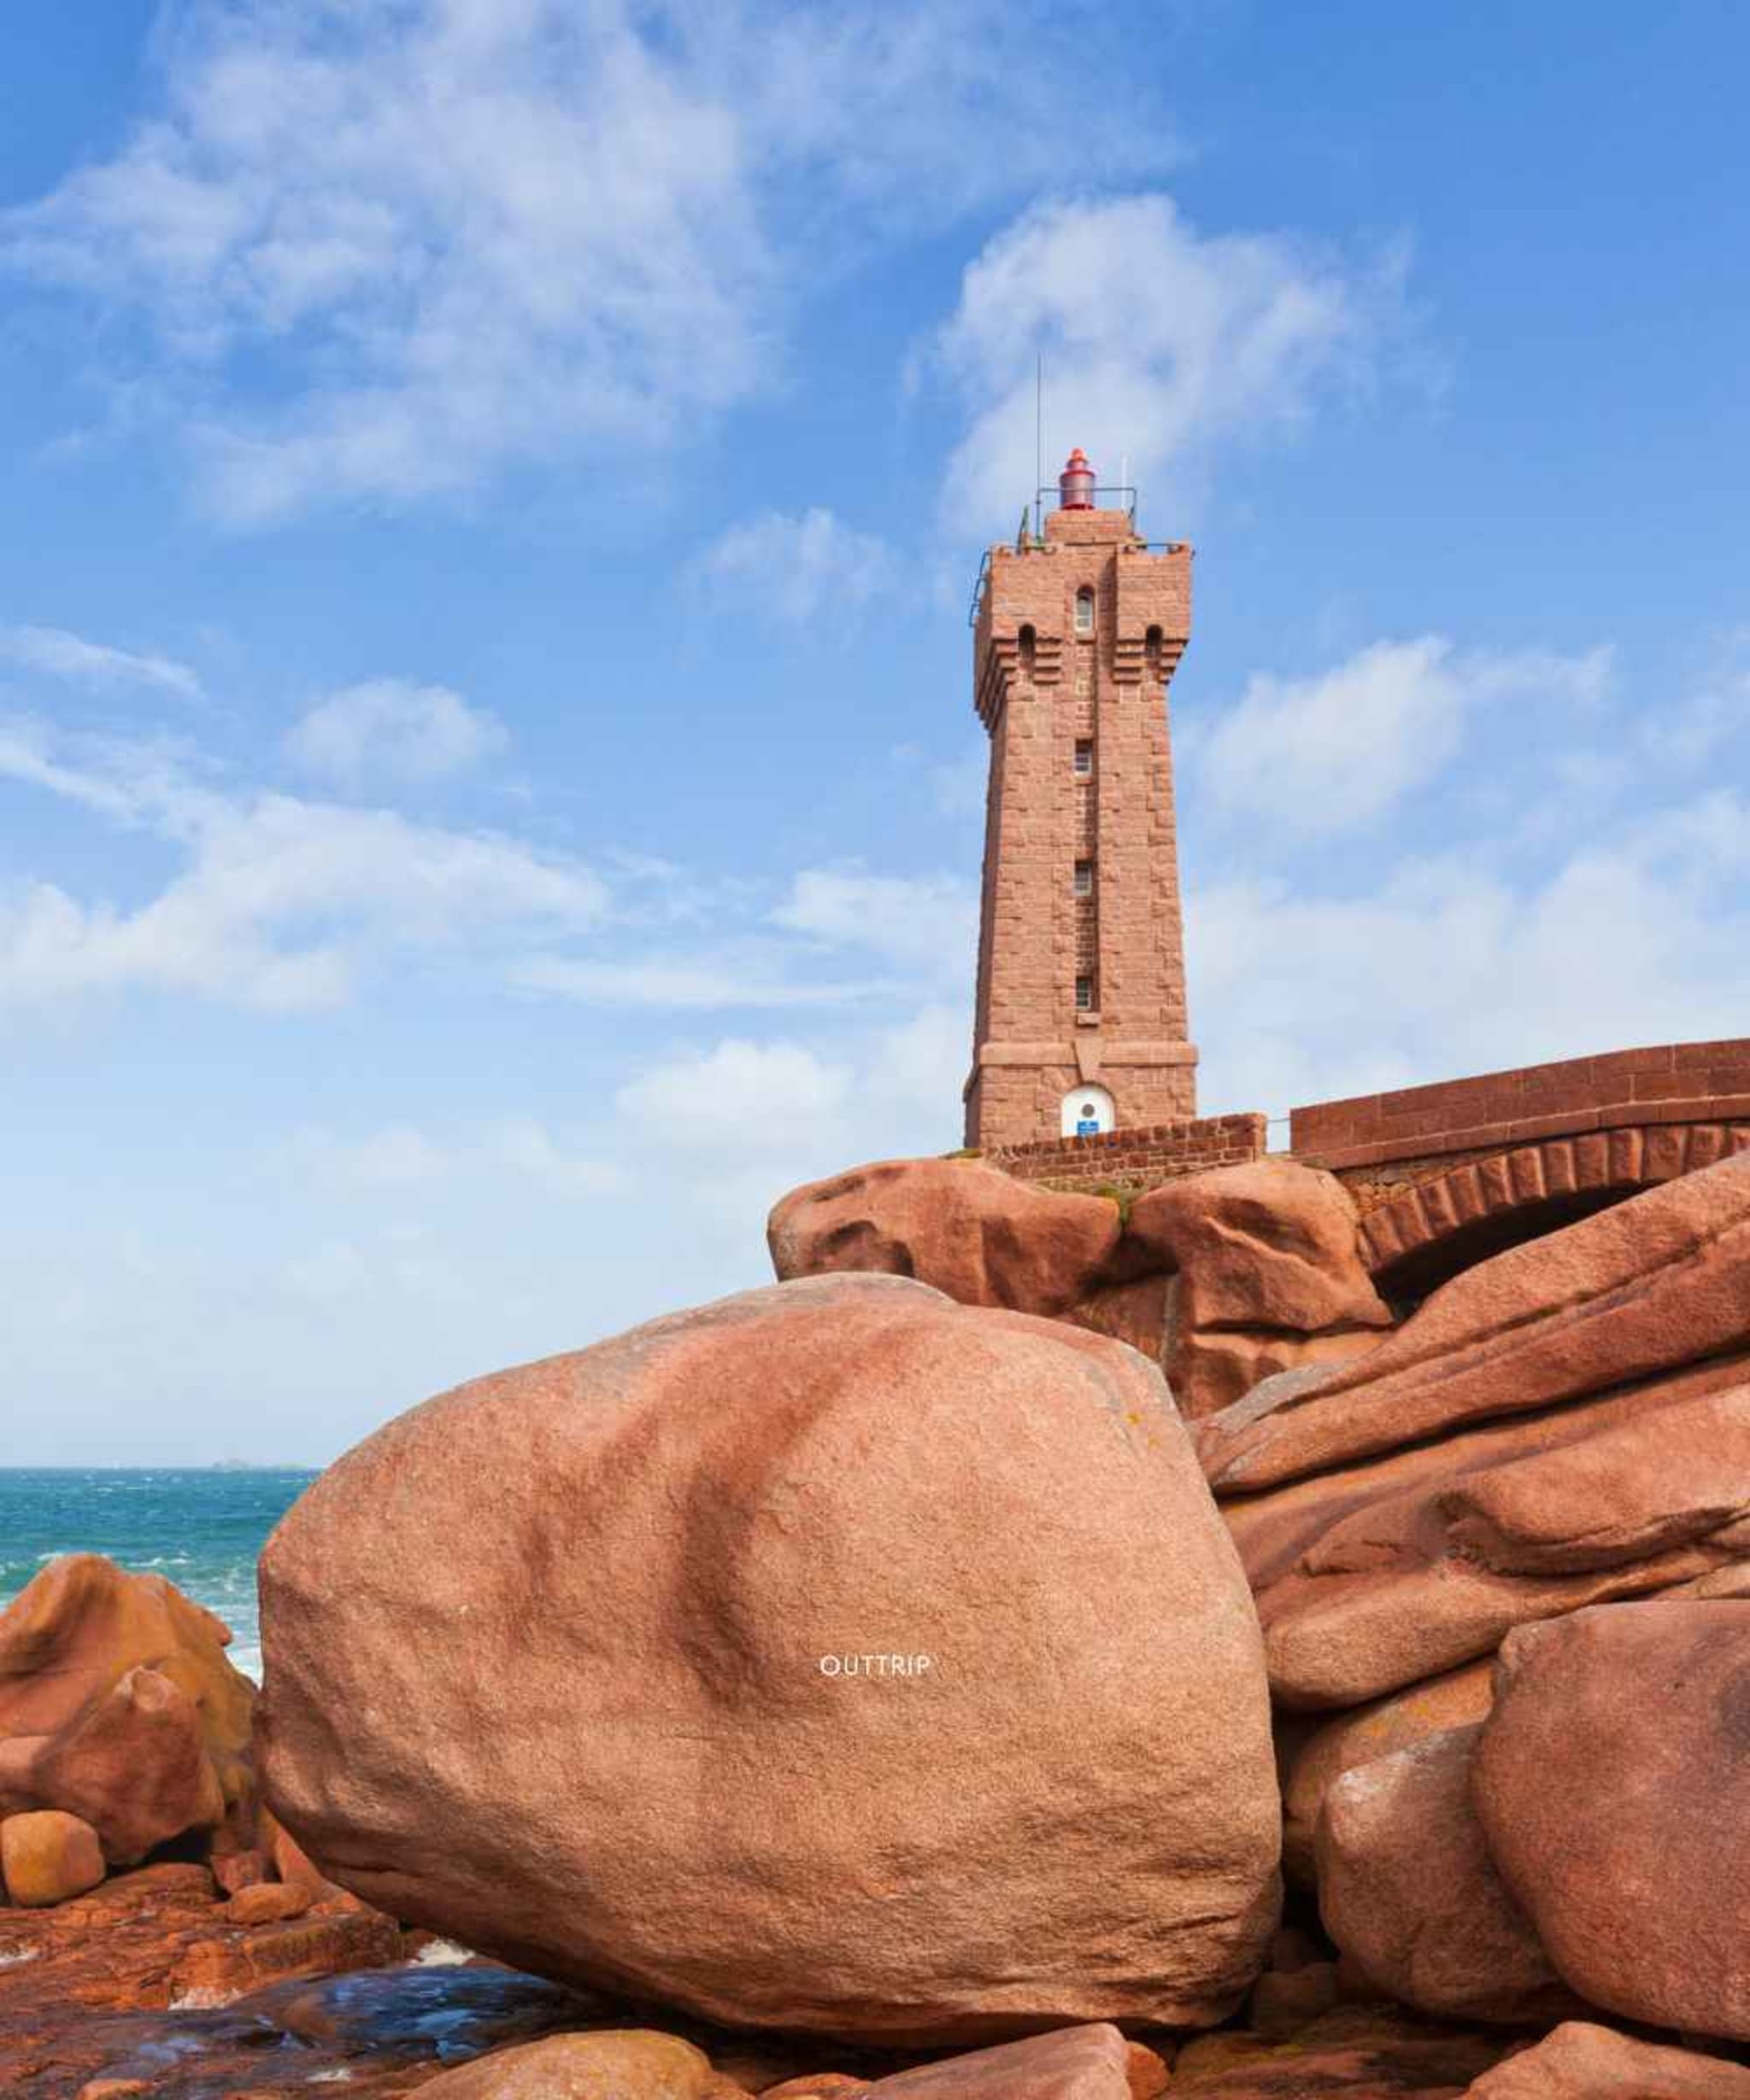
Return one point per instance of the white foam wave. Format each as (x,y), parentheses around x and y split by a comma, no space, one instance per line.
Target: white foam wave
(440,1954)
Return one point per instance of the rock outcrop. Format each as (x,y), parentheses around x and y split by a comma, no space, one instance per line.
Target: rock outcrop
(1221,1277)
(119,1706)
(1613,1783)
(1566,1423)
(1624,1298)
(1558,1435)
(902,1675)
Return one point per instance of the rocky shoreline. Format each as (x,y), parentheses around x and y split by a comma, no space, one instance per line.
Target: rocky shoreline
(1322,1697)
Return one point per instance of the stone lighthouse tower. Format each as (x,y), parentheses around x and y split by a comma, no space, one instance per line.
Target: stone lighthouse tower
(1081,1013)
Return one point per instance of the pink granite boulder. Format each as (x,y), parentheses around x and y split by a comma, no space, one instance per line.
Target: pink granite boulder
(833,1658)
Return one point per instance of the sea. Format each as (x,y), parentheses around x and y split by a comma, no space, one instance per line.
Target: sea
(202,1528)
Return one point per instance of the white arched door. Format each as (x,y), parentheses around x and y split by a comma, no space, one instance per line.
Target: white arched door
(1086,1111)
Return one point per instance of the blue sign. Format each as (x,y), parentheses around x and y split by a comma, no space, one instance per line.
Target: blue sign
(1088,1126)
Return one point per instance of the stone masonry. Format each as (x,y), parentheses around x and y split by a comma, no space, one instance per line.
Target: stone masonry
(1081,958)
(1128,1160)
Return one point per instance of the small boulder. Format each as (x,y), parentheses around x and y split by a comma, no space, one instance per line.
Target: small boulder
(1579,2061)
(269,1903)
(1325,1753)
(1407,1891)
(635,2063)
(893,1652)
(46,1856)
(1612,1784)
(1075,2064)
(238,1870)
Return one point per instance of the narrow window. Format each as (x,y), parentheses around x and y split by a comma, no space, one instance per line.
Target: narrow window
(1153,643)
(1025,640)
(1085,994)
(1085,755)
(1084,610)
(1084,878)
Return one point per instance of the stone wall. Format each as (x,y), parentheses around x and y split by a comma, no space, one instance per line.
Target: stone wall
(1134,1159)
(1675,1082)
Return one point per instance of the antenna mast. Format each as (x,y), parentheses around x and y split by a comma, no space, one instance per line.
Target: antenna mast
(1038,424)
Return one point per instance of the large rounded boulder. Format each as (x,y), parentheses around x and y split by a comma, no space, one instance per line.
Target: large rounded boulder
(1613,1783)
(833,1658)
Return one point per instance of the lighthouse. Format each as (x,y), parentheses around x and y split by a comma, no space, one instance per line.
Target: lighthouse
(1080,1024)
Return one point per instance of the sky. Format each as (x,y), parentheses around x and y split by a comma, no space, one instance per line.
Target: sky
(489,796)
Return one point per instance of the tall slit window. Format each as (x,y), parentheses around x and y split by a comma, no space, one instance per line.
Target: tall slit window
(1025,641)
(1084,878)
(1084,610)
(1084,757)
(1085,994)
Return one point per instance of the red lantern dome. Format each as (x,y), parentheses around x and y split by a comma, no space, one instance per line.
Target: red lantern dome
(1075,485)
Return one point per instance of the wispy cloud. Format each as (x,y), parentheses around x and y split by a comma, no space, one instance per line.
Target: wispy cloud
(401,1158)
(277,901)
(1444,966)
(478,233)
(790,568)
(928,923)
(1164,343)
(736,974)
(1339,749)
(393,730)
(56,652)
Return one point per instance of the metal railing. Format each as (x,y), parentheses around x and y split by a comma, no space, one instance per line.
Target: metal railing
(1122,489)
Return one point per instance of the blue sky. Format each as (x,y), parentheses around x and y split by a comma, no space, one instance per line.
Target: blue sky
(488,792)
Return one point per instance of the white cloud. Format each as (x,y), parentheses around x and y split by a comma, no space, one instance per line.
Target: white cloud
(481,233)
(277,901)
(922,927)
(927,922)
(399,1159)
(791,568)
(1162,342)
(1704,723)
(62,655)
(1444,967)
(738,974)
(1321,754)
(737,1096)
(392,731)
(741,1122)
